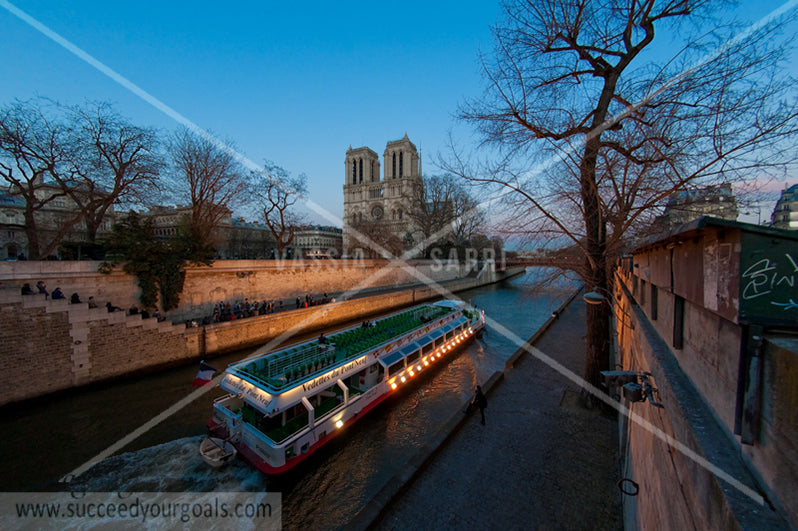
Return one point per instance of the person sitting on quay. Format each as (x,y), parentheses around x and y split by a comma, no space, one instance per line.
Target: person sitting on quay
(26,290)
(57,294)
(92,304)
(74,299)
(111,308)
(133,310)
(42,287)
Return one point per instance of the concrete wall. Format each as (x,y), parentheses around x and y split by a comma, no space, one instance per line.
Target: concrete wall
(697,387)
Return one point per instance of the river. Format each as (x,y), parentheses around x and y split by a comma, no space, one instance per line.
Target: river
(46,439)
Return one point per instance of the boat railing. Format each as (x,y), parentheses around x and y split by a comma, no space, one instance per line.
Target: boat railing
(301,360)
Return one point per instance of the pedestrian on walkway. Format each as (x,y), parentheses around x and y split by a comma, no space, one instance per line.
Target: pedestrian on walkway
(481,402)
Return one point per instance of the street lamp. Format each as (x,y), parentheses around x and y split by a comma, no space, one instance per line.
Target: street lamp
(594,297)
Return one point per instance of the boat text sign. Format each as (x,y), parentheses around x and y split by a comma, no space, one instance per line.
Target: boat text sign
(339,372)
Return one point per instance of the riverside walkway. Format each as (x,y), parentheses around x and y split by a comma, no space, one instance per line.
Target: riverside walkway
(542,461)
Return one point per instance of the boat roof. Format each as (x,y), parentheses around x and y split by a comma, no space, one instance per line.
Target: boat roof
(387,361)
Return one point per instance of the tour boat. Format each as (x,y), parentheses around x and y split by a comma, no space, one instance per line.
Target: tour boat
(286,404)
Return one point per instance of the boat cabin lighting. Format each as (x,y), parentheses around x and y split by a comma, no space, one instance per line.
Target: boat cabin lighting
(404,379)
(426,362)
(393,385)
(418,367)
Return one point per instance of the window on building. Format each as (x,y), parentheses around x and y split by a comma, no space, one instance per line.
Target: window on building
(642,297)
(654,302)
(400,213)
(393,167)
(361,170)
(678,322)
(354,172)
(401,165)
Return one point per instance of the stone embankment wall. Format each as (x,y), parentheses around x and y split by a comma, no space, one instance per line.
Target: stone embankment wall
(232,280)
(50,346)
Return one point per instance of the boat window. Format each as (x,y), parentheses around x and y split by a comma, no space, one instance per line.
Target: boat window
(439,342)
(396,367)
(427,349)
(449,335)
(412,357)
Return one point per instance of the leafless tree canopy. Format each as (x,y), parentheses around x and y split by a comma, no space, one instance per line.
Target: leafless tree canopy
(586,137)
(88,154)
(114,161)
(210,177)
(444,212)
(277,193)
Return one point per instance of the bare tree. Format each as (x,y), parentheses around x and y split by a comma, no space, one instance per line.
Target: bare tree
(75,162)
(277,193)
(377,239)
(444,213)
(211,178)
(32,159)
(586,145)
(112,161)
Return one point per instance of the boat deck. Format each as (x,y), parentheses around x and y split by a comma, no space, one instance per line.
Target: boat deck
(283,369)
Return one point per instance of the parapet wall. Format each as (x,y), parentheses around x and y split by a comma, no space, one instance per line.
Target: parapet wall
(231,280)
(688,465)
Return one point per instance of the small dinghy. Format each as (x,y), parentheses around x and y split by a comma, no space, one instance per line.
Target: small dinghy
(217,452)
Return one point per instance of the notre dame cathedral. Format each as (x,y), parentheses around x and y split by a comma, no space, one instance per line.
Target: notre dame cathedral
(378,207)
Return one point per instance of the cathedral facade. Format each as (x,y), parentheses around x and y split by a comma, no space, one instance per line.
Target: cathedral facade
(379,207)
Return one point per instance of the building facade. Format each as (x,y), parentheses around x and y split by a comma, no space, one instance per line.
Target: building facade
(58,219)
(688,205)
(785,215)
(234,238)
(379,206)
(318,241)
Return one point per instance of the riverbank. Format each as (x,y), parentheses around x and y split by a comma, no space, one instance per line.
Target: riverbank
(55,346)
(541,461)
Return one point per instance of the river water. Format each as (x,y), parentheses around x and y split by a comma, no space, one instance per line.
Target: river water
(46,440)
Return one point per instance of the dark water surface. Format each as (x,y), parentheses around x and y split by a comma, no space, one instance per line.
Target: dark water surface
(43,441)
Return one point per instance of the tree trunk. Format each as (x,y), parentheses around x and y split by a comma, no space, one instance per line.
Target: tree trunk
(597,345)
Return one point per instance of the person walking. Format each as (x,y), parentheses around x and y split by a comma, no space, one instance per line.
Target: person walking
(481,402)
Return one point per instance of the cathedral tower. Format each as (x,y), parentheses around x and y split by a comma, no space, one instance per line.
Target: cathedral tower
(378,207)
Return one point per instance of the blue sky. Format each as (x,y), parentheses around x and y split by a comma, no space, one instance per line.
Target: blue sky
(296,83)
